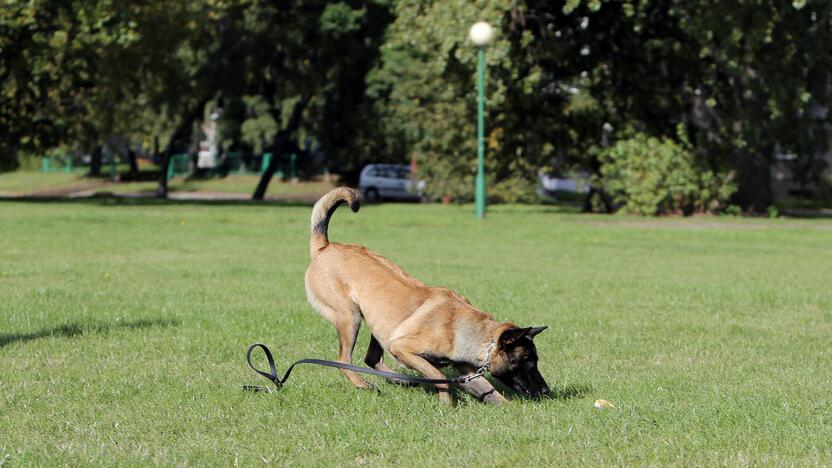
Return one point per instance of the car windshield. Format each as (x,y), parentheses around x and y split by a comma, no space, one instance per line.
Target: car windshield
(402,172)
(391,172)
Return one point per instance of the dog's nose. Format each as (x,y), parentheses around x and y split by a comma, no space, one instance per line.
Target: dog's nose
(544,390)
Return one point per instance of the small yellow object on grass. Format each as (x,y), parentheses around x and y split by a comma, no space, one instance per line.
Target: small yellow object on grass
(601,404)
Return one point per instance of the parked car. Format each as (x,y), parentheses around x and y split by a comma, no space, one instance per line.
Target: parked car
(550,185)
(389,181)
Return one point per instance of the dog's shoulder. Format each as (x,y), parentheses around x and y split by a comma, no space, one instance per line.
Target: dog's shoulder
(451,295)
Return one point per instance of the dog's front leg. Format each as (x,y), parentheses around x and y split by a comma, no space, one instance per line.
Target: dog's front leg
(480,387)
(405,352)
(375,359)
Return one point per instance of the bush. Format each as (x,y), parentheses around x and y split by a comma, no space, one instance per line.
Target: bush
(651,176)
(514,190)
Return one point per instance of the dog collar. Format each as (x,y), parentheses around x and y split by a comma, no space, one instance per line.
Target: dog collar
(487,364)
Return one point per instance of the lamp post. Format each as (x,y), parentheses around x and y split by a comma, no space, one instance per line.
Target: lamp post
(481,34)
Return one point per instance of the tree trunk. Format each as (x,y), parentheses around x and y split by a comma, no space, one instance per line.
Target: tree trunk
(182,131)
(134,163)
(754,181)
(280,142)
(164,163)
(95,162)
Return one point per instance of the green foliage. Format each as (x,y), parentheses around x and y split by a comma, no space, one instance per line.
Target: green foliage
(84,70)
(514,190)
(427,97)
(743,77)
(339,18)
(260,127)
(28,162)
(78,72)
(394,81)
(652,176)
(521,187)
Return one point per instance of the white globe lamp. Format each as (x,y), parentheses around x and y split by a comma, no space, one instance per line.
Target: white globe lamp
(481,34)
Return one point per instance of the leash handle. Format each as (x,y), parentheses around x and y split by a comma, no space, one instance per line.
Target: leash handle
(271,375)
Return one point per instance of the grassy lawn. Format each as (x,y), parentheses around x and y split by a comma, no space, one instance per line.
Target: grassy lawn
(28,182)
(247,183)
(123,331)
(32,181)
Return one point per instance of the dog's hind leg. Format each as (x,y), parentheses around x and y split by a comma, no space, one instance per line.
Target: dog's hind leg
(347,326)
(346,318)
(406,353)
(480,387)
(375,359)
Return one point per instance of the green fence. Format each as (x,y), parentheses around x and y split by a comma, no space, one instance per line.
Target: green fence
(180,164)
(236,165)
(57,164)
(66,165)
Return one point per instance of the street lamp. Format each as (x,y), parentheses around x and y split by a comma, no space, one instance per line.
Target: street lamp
(481,34)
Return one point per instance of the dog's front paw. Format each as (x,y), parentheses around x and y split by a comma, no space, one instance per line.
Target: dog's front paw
(493,397)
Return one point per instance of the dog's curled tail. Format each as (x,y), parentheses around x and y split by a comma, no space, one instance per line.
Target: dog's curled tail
(323,211)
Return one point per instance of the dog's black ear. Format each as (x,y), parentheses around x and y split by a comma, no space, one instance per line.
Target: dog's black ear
(534,331)
(513,334)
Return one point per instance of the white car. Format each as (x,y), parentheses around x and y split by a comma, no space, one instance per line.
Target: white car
(389,181)
(574,183)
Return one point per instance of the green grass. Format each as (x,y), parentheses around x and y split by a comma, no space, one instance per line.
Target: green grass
(28,182)
(247,183)
(243,184)
(123,331)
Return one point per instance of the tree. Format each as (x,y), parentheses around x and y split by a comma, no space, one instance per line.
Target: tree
(301,65)
(743,77)
(83,70)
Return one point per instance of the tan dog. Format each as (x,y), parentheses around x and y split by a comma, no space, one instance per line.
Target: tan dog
(422,327)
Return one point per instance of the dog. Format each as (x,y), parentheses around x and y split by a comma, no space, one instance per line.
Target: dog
(424,328)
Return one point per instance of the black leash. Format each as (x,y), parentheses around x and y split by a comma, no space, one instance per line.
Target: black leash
(278,382)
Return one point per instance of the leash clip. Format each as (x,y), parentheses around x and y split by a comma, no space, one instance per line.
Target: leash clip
(483,368)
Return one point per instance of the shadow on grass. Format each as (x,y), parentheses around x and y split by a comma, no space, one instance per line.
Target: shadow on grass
(567,392)
(71,330)
(570,391)
(808,213)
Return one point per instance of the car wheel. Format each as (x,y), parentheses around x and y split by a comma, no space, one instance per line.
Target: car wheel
(371,195)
